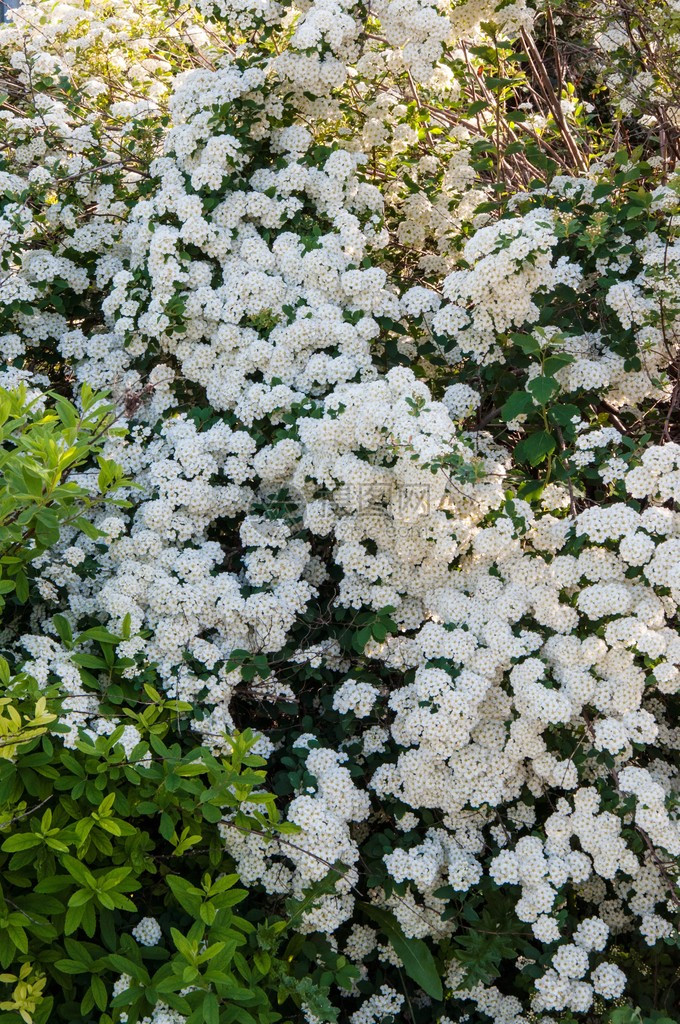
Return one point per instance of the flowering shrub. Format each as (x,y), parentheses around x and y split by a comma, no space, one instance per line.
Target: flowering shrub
(387,301)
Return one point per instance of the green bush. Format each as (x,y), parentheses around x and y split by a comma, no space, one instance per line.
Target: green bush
(49,448)
(97,838)
(46,442)
(99,833)
(102,835)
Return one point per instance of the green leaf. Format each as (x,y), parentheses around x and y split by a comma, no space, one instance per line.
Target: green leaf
(518,404)
(625,1015)
(476,108)
(563,414)
(379,630)
(211,1009)
(22,841)
(542,388)
(535,448)
(18,937)
(74,916)
(63,628)
(556,362)
(527,343)
(416,957)
(99,992)
(32,482)
(47,527)
(182,944)
(263,961)
(88,661)
(72,967)
(100,634)
(67,412)
(78,871)
(86,527)
(22,586)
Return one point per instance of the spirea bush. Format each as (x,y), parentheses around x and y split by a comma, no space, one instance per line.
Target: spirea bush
(361,704)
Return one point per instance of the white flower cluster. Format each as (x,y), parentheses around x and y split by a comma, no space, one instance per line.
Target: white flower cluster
(300,343)
(508,263)
(323,813)
(147,932)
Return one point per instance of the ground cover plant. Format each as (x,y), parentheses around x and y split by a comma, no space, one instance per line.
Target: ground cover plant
(339,512)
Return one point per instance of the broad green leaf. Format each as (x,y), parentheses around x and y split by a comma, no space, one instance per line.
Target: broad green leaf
(416,957)
(22,841)
(535,448)
(63,628)
(542,389)
(518,404)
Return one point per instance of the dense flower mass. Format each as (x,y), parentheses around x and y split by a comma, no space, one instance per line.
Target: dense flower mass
(387,299)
